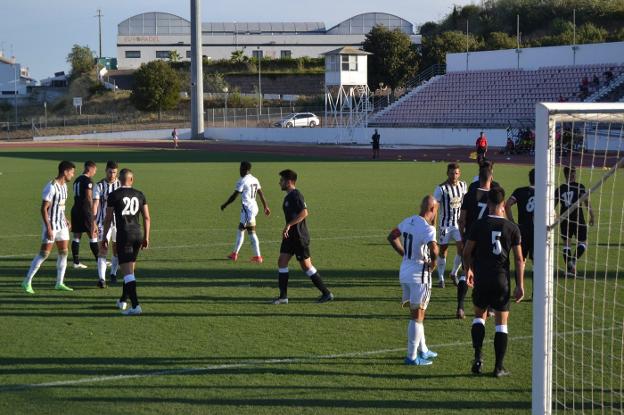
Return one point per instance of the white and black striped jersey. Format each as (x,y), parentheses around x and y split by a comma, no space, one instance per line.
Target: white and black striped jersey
(102,190)
(450,200)
(56,194)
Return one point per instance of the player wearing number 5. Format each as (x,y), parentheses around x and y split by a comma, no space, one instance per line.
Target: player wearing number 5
(419,251)
(127,204)
(486,257)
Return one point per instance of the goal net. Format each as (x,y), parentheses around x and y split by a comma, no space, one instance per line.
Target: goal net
(578,310)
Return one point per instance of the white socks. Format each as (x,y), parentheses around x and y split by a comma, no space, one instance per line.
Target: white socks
(240,238)
(502,328)
(441,267)
(415,339)
(101,267)
(61,266)
(34,267)
(255,243)
(457,262)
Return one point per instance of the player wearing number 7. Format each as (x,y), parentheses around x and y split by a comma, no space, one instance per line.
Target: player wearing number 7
(127,204)
(486,257)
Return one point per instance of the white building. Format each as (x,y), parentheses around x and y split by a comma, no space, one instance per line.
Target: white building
(14,78)
(150,36)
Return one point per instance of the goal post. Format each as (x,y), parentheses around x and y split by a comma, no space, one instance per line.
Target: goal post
(578,308)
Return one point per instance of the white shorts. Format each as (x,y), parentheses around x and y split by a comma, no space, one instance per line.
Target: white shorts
(59,235)
(111,236)
(449,234)
(248,216)
(417,294)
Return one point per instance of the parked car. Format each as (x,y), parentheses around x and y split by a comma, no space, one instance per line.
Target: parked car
(299,119)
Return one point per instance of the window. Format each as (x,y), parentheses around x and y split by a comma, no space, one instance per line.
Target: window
(257,54)
(133,54)
(188,54)
(285,54)
(349,63)
(163,54)
(331,63)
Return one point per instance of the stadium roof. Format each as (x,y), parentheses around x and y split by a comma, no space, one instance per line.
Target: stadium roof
(157,23)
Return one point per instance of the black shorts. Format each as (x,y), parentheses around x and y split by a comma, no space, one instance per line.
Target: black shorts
(81,221)
(527,243)
(492,292)
(294,246)
(571,229)
(128,247)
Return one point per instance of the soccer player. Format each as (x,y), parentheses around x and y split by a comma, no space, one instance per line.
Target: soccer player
(103,188)
(82,213)
(55,227)
(419,251)
(574,225)
(474,207)
(449,196)
(486,256)
(248,187)
(127,204)
(296,240)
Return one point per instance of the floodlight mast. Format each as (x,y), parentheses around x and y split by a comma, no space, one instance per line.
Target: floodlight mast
(197,73)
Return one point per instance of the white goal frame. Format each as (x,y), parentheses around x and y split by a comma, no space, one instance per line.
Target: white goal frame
(546,117)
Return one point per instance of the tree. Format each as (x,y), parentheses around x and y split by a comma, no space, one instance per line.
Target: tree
(156,87)
(214,82)
(501,40)
(394,59)
(82,60)
(589,33)
(238,56)
(436,48)
(174,56)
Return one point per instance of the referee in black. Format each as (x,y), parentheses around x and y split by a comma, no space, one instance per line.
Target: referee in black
(296,240)
(486,257)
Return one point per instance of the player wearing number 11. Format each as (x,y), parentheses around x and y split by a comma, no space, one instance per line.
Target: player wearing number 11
(127,204)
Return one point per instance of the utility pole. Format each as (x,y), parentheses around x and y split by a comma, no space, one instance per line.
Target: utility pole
(99,15)
(197,73)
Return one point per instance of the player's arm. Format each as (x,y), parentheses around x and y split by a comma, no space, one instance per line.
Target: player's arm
(45,208)
(146,226)
(461,222)
(394,237)
(299,218)
(467,258)
(267,211)
(230,199)
(108,220)
(590,210)
(510,202)
(519,291)
(433,253)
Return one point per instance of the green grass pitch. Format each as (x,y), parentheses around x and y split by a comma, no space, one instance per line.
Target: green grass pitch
(208,341)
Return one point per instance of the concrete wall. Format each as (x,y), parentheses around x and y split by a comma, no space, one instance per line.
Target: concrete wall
(533,58)
(183,134)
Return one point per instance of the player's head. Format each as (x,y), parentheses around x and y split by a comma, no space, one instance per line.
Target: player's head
(288,178)
(66,169)
(496,200)
(111,170)
(569,173)
(453,172)
(428,208)
(485,175)
(245,168)
(532,177)
(126,177)
(89,167)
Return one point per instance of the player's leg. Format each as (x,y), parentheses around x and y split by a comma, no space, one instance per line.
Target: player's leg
(93,239)
(303,256)
(255,242)
(500,342)
(114,261)
(75,248)
(424,295)
(457,261)
(581,238)
(240,238)
(44,252)
(282,276)
(477,333)
(101,259)
(62,245)
(567,251)
(128,256)
(441,262)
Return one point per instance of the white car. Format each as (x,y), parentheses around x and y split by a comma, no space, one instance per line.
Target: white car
(299,119)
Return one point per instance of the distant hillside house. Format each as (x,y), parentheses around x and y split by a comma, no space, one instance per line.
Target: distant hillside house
(14,79)
(150,36)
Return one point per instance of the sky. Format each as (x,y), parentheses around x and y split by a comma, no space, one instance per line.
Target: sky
(41,33)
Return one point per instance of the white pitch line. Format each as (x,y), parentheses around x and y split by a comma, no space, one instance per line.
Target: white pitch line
(252,363)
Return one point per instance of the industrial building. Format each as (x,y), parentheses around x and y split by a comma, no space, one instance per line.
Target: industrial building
(14,79)
(150,36)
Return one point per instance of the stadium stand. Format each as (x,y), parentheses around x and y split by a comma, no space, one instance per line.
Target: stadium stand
(492,98)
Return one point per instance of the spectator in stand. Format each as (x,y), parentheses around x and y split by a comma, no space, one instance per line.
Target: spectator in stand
(562,98)
(596,82)
(608,74)
(482,145)
(510,147)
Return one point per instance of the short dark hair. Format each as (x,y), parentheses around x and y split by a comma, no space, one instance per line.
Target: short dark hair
(452,166)
(288,175)
(65,165)
(496,195)
(110,164)
(532,177)
(484,174)
(89,163)
(567,170)
(124,173)
(245,166)
(486,163)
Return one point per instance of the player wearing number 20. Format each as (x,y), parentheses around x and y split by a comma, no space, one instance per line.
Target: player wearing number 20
(127,204)
(486,257)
